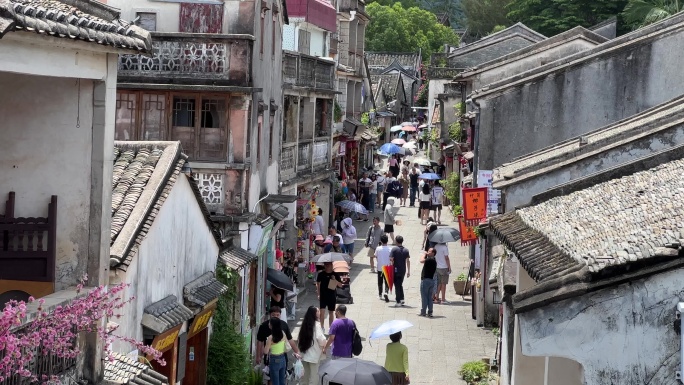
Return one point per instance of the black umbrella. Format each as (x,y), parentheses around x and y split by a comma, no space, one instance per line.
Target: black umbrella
(352,371)
(279,279)
(444,235)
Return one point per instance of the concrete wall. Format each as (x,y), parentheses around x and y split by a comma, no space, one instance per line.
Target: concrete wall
(577,99)
(47,149)
(513,67)
(521,193)
(180,237)
(484,54)
(614,343)
(527,370)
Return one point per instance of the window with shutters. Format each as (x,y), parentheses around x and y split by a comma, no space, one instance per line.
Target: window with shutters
(200,123)
(304,42)
(126,115)
(153,120)
(146,20)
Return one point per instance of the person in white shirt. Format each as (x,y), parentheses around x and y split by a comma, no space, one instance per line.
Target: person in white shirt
(382,256)
(425,203)
(443,269)
(373,193)
(437,196)
(318,226)
(311,342)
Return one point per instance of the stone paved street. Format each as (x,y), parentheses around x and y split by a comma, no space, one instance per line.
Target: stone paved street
(438,346)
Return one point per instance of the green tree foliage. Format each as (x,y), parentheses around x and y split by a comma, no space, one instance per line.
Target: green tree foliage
(551,17)
(639,13)
(404,3)
(482,16)
(229,360)
(397,29)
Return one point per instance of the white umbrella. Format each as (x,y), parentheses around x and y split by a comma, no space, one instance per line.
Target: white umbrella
(395,129)
(389,328)
(410,145)
(331,257)
(421,162)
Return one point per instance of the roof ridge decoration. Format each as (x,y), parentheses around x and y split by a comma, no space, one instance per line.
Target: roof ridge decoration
(165,314)
(59,19)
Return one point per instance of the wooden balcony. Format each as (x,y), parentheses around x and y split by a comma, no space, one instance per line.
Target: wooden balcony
(302,70)
(191,59)
(304,158)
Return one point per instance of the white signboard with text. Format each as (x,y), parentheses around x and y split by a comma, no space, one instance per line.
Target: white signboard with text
(484,179)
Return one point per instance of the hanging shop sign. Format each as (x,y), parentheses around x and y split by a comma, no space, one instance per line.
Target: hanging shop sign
(474,205)
(485,179)
(468,235)
(201,320)
(165,341)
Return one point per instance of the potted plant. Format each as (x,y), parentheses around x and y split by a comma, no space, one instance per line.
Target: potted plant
(461,284)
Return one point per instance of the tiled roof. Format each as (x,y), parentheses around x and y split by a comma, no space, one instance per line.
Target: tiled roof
(384,59)
(203,290)
(647,122)
(142,178)
(603,227)
(122,369)
(56,18)
(389,84)
(278,211)
(407,81)
(236,257)
(165,314)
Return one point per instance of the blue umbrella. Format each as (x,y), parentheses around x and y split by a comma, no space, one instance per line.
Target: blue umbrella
(388,328)
(395,129)
(429,176)
(389,149)
(352,206)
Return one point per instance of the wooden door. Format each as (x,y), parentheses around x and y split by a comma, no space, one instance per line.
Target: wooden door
(201,18)
(196,359)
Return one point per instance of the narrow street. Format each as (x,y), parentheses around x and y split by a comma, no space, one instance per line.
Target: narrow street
(438,346)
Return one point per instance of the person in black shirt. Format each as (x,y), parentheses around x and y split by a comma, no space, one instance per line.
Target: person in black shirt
(426,282)
(413,185)
(441,169)
(277,297)
(327,297)
(265,331)
(399,258)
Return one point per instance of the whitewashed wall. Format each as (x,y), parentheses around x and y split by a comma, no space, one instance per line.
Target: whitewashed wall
(178,248)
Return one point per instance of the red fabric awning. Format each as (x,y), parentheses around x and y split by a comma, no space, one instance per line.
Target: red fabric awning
(322,14)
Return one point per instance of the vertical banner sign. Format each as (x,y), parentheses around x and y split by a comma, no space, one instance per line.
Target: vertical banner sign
(468,236)
(474,205)
(485,179)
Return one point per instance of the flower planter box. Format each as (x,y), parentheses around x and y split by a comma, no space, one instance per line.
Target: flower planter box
(461,287)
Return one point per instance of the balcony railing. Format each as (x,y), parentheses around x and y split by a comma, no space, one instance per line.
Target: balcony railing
(321,150)
(307,71)
(443,72)
(288,161)
(191,58)
(304,157)
(352,5)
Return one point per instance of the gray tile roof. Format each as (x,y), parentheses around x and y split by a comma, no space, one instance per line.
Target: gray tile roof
(236,257)
(143,175)
(165,314)
(122,369)
(546,159)
(384,59)
(56,18)
(633,219)
(389,84)
(203,290)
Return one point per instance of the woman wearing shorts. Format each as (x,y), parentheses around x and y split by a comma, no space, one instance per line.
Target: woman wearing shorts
(425,203)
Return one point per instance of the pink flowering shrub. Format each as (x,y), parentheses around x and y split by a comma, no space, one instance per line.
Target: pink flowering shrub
(54,332)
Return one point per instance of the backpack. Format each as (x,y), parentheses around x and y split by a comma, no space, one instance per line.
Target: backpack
(396,189)
(357,345)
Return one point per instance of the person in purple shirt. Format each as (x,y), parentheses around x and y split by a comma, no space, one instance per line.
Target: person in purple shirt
(341,335)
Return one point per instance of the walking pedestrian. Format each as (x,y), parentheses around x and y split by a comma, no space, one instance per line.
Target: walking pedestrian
(318,225)
(348,236)
(381,189)
(425,203)
(443,268)
(373,193)
(389,218)
(265,330)
(277,296)
(413,184)
(335,245)
(396,360)
(382,254)
(373,239)
(405,183)
(427,282)
(275,346)
(430,228)
(364,188)
(311,341)
(387,193)
(326,292)
(437,197)
(341,334)
(394,165)
(399,258)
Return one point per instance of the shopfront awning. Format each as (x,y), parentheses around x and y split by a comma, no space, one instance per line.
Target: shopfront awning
(236,258)
(278,212)
(164,315)
(202,291)
(351,125)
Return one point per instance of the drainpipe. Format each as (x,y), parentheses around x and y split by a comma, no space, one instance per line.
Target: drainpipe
(476,157)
